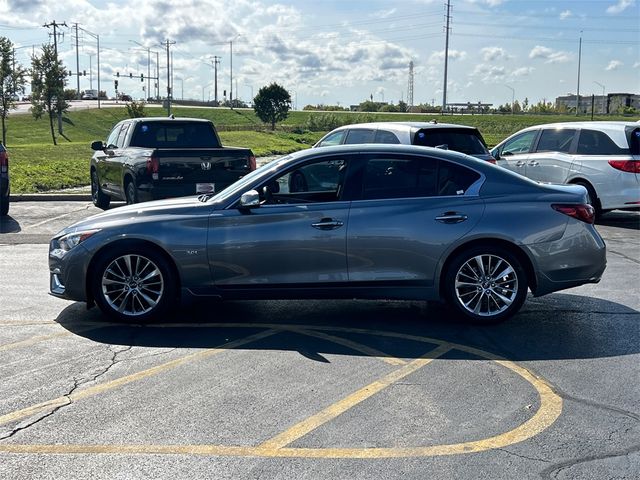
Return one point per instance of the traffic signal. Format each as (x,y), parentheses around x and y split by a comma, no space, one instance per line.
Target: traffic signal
(142,77)
(118,74)
(84,72)
(115,83)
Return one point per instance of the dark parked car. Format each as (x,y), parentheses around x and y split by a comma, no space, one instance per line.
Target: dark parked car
(151,158)
(374,221)
(4,181)
(447,136)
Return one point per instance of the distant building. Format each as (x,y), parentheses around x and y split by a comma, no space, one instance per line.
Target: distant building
(602,104)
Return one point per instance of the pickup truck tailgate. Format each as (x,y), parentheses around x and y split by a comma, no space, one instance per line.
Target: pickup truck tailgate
(190,171)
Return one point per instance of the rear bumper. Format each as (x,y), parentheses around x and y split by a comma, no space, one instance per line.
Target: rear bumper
(579,257)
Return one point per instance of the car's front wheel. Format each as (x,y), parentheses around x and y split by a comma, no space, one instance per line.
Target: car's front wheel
(485,284)
(134,285)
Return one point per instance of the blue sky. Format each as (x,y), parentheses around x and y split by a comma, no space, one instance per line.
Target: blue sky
(331,52)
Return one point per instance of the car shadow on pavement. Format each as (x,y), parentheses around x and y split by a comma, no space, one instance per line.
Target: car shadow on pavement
(628,220)
(8,224)
(557,326)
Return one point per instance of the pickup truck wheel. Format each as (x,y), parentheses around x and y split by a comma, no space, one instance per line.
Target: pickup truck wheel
(134,285)
(130,193)
(99,199)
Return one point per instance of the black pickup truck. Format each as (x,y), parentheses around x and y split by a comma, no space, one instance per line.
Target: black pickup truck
(152,158)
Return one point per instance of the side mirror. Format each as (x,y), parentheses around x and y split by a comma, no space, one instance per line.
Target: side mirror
(495,154)
(250,199)
(98,145)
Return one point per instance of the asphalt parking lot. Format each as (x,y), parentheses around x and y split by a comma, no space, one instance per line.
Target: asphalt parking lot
(316,389)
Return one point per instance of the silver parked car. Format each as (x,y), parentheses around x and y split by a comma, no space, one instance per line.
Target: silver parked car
(603,157)
(358,221)
(446,136)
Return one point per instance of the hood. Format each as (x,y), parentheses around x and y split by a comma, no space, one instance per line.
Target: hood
(141,212)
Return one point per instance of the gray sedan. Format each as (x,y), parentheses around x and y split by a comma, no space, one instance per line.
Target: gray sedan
(359,221)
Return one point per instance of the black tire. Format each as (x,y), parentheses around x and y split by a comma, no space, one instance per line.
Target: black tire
(485,284)
(134,285)
(4,204)
(592,199)
(130,193)
(99,199)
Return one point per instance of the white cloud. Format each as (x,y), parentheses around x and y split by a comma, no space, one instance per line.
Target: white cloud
(636,65)
(490,54)
(384,13)
(522,71)
(565,14)
(549,55)
(490,3)
(438,57)
(614,65)
(621,6)
(489,73)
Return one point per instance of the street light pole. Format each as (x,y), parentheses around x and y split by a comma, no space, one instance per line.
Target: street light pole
(603,104)
(231,69)
(513,96)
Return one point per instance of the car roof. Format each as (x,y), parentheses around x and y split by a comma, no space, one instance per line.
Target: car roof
(164,119)
(597,125)
(404,126)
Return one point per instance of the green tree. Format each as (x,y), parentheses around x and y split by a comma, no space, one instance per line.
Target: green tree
(12,81)
(136,109)
(49,78)
(272,104)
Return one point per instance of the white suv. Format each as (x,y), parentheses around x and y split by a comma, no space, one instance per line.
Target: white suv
(604,157)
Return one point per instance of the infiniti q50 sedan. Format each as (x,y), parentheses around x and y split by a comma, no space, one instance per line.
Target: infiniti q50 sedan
(357,221)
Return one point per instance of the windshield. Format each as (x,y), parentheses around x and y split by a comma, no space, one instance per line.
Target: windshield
(460,140)
(242,185)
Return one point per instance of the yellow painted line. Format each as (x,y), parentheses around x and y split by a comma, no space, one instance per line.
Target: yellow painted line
(31,341)
(91,391)
(548,412)
(332,411)
(358,347)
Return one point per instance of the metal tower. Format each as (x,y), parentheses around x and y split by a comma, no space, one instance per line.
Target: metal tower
(410,86)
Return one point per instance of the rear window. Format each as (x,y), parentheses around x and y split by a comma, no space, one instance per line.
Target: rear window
(634,140)
(594,142)
(459,140)
(174,134)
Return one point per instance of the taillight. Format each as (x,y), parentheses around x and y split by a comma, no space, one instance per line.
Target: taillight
(4,162)
(252,163)
(491,160)
(583,212)
(153,166)
(631,166)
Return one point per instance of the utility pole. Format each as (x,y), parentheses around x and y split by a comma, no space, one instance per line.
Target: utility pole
(77,64)
(410,86)
(168,45)
(148,67)
(231,77)
(215,61)
(446,57)
(55,49)
(578,89)
(97,37)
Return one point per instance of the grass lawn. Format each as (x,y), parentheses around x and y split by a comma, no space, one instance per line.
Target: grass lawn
(38,166)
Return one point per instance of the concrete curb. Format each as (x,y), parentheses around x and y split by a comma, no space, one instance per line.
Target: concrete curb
(51,197)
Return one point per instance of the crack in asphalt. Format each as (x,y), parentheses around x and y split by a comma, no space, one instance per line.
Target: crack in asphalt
(525,457)
(554,470)
(625,256)
(76,384)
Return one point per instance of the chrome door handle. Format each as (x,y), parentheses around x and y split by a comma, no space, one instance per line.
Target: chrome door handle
(520,163)
(327,224)
(533,163)
(451,217)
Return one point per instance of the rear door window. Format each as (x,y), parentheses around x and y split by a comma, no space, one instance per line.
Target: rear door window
(556,140)
(460,140)
(360,135)
(408,177)
(385,136)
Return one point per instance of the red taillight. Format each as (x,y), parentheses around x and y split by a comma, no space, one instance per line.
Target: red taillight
(4,162)
(631,166)
(252,163)
(582,212)
(153,166)
(491,160)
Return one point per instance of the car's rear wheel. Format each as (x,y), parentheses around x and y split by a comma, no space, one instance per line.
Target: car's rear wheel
(131,195)
(485,284)
(592,198)
(134,285)
(100,199)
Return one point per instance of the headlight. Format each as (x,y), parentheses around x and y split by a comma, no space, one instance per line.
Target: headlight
(60,246)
